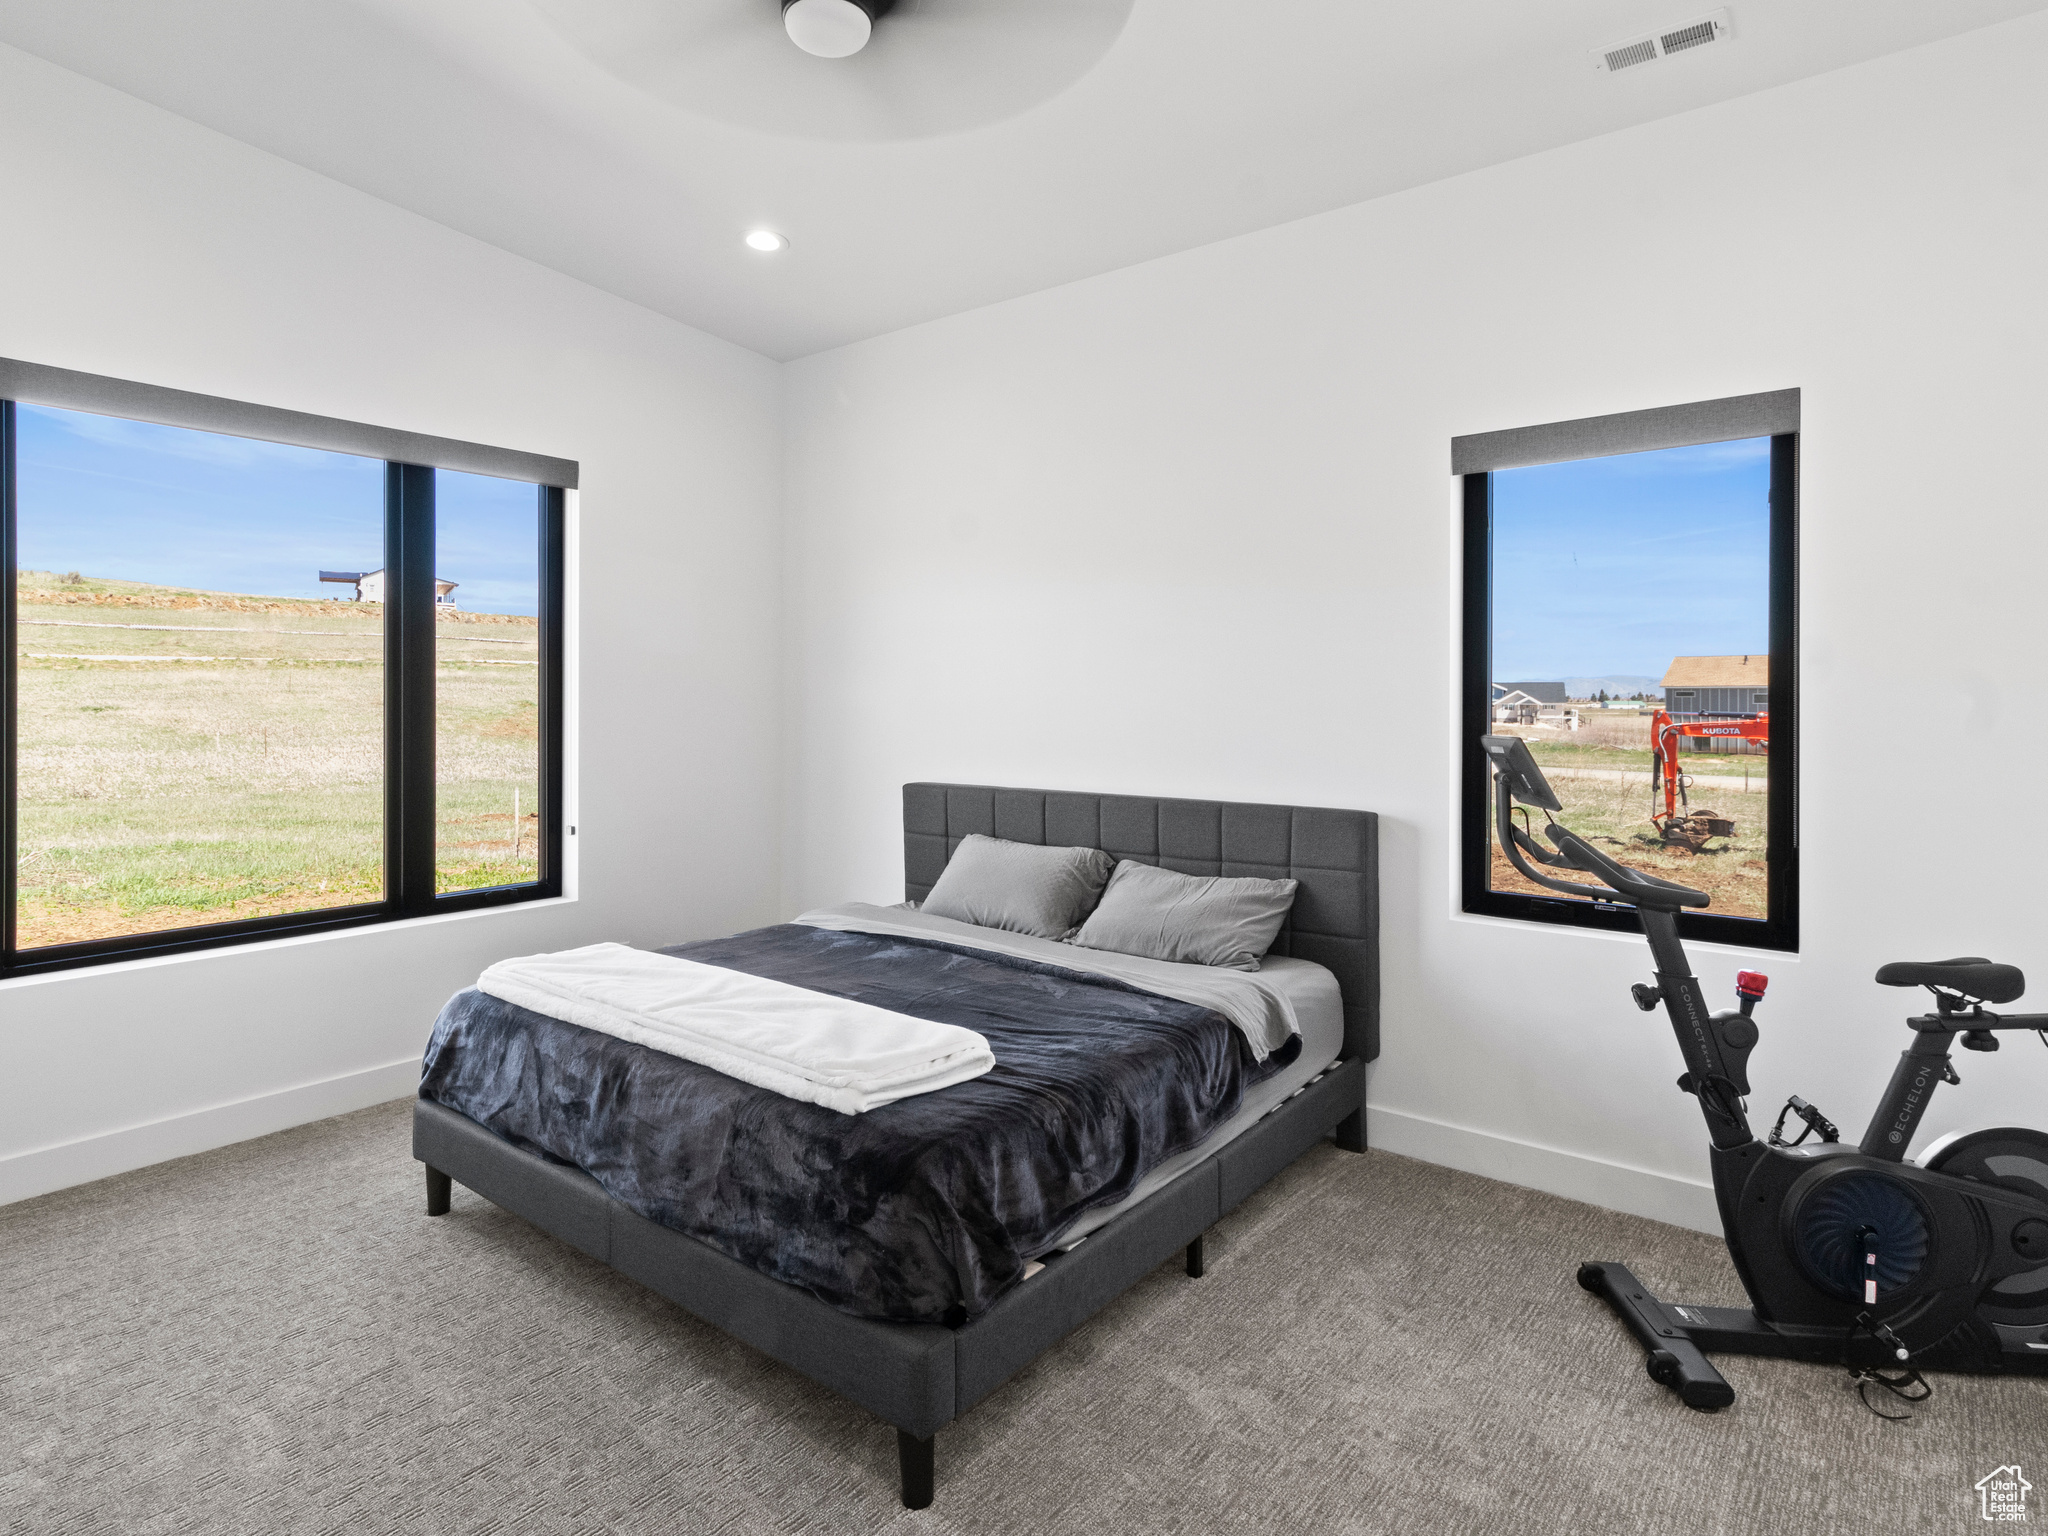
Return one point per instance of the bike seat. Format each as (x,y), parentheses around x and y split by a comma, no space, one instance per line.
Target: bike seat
(1976,978)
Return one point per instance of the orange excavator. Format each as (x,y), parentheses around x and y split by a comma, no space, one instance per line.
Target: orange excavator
(1692,828)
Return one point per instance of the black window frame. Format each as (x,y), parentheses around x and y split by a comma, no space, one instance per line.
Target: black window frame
(1779,930)
(409,657)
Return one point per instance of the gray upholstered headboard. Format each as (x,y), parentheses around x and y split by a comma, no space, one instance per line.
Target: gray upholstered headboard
(1334,854)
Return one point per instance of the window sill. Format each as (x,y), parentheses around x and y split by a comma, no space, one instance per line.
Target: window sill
(1617,936)
(119,965)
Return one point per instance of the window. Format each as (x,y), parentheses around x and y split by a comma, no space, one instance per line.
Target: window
(487,704)
(260,684)
(1630,610)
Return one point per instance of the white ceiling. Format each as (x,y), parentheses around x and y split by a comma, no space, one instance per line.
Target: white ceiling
(976,152)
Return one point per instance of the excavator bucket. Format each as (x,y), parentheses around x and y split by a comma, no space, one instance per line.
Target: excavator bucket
(1693,832)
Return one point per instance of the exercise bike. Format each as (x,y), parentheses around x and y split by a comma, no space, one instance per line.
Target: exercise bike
(1851,1255)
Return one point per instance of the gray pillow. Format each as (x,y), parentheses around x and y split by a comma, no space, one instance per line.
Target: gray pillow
(1021,887)
(1200,919)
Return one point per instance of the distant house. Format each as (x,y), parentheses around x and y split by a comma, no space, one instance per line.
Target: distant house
(1515,707)
(1532,704)
(369,586)
(1718,685)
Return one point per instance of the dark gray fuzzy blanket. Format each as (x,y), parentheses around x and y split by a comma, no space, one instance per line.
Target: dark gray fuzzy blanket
(924,1210)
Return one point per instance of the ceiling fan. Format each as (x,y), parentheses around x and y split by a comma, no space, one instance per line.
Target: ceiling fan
(859,70)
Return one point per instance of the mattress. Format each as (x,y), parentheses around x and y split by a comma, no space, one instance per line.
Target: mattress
(927,1209)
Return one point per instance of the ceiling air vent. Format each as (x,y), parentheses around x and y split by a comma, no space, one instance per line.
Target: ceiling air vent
(1687,37)
(1630,53)
(1652,46)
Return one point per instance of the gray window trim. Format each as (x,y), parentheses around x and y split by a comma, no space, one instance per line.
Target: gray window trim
(37,384)
(1594,437)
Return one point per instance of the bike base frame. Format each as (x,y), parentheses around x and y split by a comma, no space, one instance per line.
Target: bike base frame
(1677,1338)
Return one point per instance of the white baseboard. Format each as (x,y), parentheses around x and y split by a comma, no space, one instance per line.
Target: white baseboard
(43,1169)
(1616,1186)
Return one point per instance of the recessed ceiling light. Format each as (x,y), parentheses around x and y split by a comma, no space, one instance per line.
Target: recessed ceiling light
(832,29)
(765,240)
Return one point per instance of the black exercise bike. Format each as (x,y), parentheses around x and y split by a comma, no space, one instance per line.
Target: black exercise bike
(1851,1254)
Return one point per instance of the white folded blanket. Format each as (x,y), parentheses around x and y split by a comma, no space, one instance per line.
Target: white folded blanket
(801,1044)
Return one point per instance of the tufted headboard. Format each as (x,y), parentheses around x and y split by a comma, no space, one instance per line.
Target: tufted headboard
(1334,854)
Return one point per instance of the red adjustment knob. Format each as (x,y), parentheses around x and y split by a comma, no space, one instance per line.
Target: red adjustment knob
(1751,984)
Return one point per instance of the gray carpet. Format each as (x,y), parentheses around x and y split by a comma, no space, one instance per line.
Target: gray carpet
(274,1338)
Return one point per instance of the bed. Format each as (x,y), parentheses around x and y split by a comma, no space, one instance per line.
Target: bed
(921,1325)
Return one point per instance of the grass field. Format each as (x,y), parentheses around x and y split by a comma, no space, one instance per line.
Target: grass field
(197,757)
(1614,814)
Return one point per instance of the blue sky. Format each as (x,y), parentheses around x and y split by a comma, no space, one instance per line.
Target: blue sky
(1609,567)
(487,536)
(136,502)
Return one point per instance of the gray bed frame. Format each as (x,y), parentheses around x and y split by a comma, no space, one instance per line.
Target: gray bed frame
(920,1377)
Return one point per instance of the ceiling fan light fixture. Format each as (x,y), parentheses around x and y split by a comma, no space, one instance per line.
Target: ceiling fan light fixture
(831,29)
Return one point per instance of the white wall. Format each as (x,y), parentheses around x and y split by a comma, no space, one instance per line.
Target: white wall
(1188,528)
(1185,528)
(142,246)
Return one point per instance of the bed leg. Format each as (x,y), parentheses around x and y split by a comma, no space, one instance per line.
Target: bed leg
(914,1457)
(1351,1131)
(438,1185)
(1195,1259)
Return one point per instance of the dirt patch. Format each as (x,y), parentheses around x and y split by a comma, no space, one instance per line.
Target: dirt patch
(161,599)
(1738,884)
(92,592)
(464,616)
